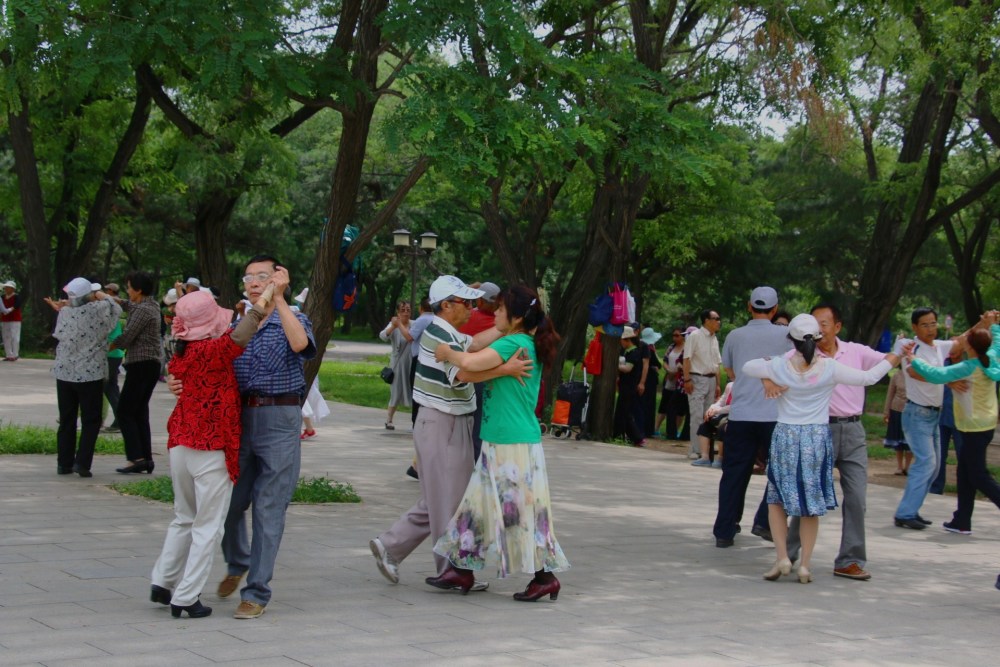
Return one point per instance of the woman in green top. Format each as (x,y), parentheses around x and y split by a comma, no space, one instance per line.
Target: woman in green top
(975,416)
(506,509)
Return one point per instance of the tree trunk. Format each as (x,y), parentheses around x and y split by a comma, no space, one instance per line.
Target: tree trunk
(968,258)
(210,223)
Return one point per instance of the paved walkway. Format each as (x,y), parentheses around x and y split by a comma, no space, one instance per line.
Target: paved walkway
(648,586)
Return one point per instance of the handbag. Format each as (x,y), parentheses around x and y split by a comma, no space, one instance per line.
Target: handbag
(619,310)
(387,375)
(600,310)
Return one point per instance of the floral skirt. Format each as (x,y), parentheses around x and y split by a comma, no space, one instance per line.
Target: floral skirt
(800,469)
(506,513)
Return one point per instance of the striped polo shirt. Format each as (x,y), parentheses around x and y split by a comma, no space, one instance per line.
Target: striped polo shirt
(434,383)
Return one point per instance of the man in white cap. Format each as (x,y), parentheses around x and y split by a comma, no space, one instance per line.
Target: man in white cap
(192,285)
(442,434)
(10,321)
(752,416)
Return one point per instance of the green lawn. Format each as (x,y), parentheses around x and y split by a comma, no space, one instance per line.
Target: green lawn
(356,382)
(316,490)
(42,440)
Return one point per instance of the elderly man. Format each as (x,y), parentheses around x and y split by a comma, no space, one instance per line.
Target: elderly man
(272,385)
(702,363)
(752,418)
(10,321)
(442,435)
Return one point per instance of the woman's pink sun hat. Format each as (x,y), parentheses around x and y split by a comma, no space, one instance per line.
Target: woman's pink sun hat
(198,317)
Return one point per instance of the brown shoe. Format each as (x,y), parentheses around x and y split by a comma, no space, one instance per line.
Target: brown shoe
(852,571)
(229,585)
(249,609)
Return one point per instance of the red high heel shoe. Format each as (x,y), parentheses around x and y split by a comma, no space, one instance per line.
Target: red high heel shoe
(537,590)
(453,578)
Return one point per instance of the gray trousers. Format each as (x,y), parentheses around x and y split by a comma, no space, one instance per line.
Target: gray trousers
(444,461)
(699,401)
(850,454)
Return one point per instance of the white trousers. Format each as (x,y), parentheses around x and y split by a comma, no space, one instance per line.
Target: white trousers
(201,499)
(11,339)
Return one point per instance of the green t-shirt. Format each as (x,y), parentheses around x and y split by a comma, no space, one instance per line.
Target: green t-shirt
(116,354)
(508,406)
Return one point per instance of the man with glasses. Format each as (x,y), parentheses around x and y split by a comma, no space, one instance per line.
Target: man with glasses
(752,417)
(920,419)
(272,385)
(442,435)
(702,363)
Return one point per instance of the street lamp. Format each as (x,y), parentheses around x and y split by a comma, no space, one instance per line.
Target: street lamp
(421,246)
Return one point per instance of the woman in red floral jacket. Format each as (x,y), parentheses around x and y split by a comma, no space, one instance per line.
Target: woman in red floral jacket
(203,442)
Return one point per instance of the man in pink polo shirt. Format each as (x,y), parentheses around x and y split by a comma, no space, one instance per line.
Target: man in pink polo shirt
(850,451)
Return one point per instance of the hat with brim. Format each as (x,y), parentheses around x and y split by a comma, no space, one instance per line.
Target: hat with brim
(170,298)
(628,332)
(198,317)
(490,292)
(650,337)
(112,287)
(78,288)
(10,284)
(804,326)
(193,281)
(448,286)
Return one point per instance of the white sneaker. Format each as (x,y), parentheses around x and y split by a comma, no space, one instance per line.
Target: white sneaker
(386,564)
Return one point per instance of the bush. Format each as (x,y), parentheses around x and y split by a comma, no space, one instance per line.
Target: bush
(317,490)
(15,439)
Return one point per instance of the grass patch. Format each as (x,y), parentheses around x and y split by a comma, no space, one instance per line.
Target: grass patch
(356,382)
(315,491)
(17,439)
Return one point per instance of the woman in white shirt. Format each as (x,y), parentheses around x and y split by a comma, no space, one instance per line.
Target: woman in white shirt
(800,469)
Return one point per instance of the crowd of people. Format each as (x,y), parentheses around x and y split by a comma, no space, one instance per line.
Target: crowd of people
(471,366)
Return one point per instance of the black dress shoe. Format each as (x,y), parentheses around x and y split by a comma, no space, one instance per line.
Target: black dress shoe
(913,524)
(81,472)
(762,532)
(412,472)
(63,470)
(923,520)
(138,466)
(723,543)
(159,594)
(196,610)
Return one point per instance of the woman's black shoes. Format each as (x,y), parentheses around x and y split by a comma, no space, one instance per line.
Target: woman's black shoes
(138,466)
(159,594)
(196,610)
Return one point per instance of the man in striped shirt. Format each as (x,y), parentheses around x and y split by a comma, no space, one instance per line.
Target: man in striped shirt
(442,434)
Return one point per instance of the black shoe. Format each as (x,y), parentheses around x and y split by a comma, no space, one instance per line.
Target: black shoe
(159,594)
(722,544)
(762,532)
(909,523)
(998,582)
(412,472)
(138,466)
(81,472)
(196,610)
(923,520)
(63,470)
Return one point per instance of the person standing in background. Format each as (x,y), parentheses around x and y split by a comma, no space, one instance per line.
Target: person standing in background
(10,321)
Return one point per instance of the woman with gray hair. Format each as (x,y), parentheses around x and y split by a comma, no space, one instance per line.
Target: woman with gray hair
(81,367)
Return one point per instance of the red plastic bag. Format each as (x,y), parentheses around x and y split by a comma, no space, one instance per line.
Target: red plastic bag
(595,356)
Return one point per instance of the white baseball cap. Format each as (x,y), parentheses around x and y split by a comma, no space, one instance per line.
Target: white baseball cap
(803,325)
(10,284)
(79,287)
(170,298)
(446,286)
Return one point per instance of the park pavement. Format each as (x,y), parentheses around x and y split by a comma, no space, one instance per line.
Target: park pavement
(647,586)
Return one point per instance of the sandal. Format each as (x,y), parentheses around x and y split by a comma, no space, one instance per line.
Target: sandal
(389,426)
(307,434)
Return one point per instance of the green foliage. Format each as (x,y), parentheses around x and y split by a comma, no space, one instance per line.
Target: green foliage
(313,491)
(17,439)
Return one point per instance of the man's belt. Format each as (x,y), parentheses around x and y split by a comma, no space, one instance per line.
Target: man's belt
(845,420)
(257,401)
(925,407)
(704,375)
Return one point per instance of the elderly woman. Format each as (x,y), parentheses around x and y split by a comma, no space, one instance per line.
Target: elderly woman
(397,333)
(800,469)
(81,366)
(143,354)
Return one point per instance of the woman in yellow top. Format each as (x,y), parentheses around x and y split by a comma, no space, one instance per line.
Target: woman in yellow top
(975,416)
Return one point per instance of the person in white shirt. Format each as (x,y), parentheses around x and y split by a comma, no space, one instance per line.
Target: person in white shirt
(800,466)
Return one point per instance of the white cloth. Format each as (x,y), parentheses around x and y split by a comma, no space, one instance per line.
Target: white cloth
(201,499)
(315,407)
(920,392)
(807,399)
(11,339)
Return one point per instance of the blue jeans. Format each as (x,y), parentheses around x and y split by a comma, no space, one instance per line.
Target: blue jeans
(269,470)
(920,426)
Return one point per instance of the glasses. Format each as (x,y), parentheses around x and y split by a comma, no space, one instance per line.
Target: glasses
(465,302)
(259,277)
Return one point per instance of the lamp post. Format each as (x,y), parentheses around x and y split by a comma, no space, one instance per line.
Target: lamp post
(407,244)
